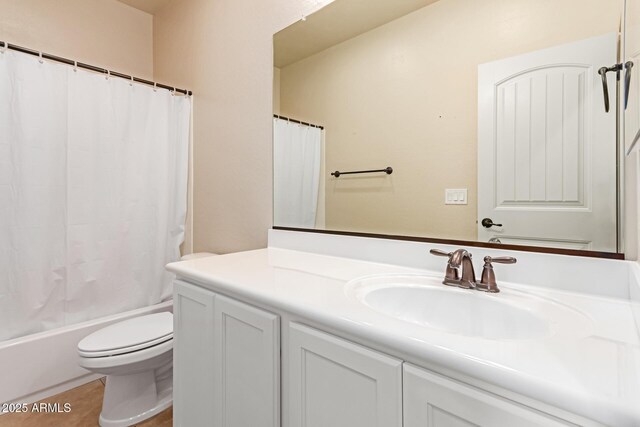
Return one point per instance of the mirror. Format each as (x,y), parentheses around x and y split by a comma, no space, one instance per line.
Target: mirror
(468,120)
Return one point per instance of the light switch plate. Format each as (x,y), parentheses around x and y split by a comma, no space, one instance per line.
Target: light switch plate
(455,196)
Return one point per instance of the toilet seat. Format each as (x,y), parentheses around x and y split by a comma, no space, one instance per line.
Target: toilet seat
(128,336)
(135,360)
(124,350)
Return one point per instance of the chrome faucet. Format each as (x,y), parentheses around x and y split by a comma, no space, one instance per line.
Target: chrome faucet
(460,270)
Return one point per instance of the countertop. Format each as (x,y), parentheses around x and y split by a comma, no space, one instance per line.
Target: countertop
(595,374)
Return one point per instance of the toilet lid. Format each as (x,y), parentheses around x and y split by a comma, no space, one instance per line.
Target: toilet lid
(129,335)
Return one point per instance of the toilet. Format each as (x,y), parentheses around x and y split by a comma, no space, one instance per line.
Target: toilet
(136,356)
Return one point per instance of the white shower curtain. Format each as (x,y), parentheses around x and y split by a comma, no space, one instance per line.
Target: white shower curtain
(93,181)
(296,173)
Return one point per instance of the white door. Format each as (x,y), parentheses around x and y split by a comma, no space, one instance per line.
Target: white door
(431,400)
(547,148)
(335,383)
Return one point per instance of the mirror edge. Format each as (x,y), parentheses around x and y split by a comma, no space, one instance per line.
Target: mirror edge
(522,248)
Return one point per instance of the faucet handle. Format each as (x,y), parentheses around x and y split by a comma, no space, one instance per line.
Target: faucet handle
(439,252)
(488,281)
(501,259)
(451,273)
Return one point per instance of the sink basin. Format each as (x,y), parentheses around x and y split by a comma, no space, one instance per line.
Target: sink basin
(508,315)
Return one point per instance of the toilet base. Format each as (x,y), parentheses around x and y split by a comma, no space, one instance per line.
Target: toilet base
(161,406)
(133,398)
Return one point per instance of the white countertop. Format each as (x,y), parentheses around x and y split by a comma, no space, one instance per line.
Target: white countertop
(595,374)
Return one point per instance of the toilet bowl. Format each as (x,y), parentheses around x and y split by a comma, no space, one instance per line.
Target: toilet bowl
(136,355)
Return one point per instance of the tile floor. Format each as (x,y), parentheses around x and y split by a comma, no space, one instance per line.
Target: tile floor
(85,402)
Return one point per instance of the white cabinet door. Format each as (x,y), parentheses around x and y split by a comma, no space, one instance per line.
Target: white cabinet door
(226,361)
(193,348)
(431,400)
(335,383)
(247,365)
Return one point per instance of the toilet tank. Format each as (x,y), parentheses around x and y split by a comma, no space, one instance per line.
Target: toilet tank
(196,255)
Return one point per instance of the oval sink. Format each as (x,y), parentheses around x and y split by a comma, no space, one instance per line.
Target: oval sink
(425,301)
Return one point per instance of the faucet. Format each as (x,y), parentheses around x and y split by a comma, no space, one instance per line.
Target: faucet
(460,270)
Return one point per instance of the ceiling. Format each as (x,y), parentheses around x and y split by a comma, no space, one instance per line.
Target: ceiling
(149,6)
(338,21)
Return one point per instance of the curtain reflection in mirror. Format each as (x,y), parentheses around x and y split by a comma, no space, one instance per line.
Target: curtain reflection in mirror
(297,150)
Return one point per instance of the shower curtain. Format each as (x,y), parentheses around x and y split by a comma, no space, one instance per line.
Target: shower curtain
(93,181)
(296,173)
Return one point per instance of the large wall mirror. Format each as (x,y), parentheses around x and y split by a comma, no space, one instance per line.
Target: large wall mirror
(470,120)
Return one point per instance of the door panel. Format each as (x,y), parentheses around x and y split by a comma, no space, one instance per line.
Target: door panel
(333,382)
(193,350)
(247,365)
(547,148)
(431,400)
(541,125)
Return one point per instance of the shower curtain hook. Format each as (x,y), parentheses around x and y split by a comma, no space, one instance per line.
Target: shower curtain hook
(5,46)
(108,75)
(131,82)
(155,86)
(40,58)
(75,66)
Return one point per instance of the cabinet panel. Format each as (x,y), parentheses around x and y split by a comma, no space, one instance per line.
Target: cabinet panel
(333,382)
(247,368)
(434,401)
(226,361)
(193,349)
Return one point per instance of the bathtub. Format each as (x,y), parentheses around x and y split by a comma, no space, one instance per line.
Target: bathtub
(40,365)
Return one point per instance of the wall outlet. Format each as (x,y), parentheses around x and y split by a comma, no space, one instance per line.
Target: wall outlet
(455,196)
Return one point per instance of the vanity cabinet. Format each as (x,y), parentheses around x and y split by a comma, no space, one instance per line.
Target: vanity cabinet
(226,361)
(333,382)
(431,400)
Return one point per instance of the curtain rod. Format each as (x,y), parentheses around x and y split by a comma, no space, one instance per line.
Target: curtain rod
(77,64)
(298,121)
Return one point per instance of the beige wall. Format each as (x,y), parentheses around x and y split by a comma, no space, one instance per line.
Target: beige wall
(105,33)
(222,50)
(276,90)
(632,124)
(405,95)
